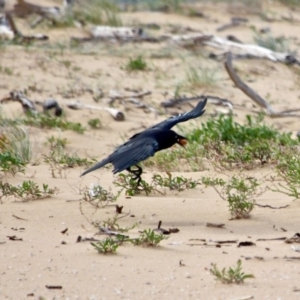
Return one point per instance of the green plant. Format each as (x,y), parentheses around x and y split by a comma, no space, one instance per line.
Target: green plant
(59,160)
(232,275)
(14,140)
(149,238)
(57,142)
(95,123)
(288,169)
(239,192)
(136,64)
(178,183)
(26,191)
(231,144)
(127,182)
(99,197)
(43,120)
(108,245)
(9,163)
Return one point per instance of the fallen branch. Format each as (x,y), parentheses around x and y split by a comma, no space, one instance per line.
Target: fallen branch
(211,99)
(272,207)
(253,95)
(115,113)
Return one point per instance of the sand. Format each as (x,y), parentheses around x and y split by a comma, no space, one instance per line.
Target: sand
(179,267)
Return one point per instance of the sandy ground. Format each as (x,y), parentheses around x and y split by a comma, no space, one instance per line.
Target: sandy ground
(45,256)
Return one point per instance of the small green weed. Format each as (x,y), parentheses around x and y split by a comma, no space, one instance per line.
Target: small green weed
(56,142)
(108,245)
(46,121)
(9,163)
(240,193)
(59,161)
(149,238)
(99,197)
(288,169)
(232,275)
(95,123)
(136,64)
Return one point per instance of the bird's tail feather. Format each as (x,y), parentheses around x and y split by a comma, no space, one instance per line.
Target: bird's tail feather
(96,166)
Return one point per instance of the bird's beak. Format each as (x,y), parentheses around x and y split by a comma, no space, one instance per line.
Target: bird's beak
(182,142)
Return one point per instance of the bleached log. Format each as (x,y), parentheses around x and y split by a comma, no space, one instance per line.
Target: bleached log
(106,32)
(233,47)
(115,113)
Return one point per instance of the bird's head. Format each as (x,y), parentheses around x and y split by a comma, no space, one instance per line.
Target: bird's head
(181,140)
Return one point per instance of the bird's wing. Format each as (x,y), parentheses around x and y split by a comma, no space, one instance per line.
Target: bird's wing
(132,153)
(98,165)
(194,113)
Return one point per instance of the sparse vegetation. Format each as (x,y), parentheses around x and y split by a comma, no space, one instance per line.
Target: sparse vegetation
(149,238)
(239,191)
(46,121)
(108,245)
(278,44)
(288,169)
(57,142)
(232,275)
(95,123)
(59,160)
(26,191)
(177,183)
(99,197)
(202,77)
(136,64)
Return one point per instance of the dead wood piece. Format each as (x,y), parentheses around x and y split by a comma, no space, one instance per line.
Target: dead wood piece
(252,94)
(226,242)
(113,233)
(235,21)
(272,239)
(215,225)
(115,113)
(246,244)
(272,207)
(54,287)
(14,238)
(245,50)
(19,96)
(292,257)
(109,32)
(211,99)
(19,218)
(294,239)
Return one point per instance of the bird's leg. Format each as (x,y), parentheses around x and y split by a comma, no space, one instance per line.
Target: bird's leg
(137,174)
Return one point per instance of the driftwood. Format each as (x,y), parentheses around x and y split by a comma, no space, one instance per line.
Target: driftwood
(115,113)
(9,30)
(29,105)
(241,50)
(19,96)
(131,98)
(54,14)
(117,34)
(211,99)
(253,95)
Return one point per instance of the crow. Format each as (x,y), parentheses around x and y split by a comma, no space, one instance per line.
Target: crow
(146,143)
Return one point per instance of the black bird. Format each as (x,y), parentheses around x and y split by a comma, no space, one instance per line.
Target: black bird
(146,143)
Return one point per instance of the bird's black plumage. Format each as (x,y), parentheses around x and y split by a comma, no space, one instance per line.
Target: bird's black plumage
(146,143)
